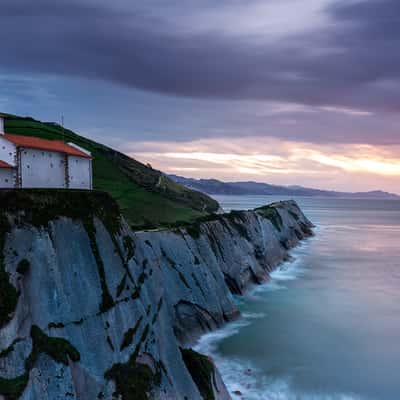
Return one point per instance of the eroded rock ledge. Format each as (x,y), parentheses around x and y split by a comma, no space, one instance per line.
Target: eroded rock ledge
(90,309)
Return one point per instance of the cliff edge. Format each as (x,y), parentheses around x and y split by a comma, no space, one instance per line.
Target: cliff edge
(90,309)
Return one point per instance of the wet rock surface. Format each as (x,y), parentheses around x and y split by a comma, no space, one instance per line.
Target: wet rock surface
(120,307)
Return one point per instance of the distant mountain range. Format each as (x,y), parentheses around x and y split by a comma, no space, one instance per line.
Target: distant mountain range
(214,186)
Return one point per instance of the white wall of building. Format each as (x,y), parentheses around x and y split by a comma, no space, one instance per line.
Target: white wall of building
(7,151)
(1,124)
(80,172)
(43,169)
(6,178)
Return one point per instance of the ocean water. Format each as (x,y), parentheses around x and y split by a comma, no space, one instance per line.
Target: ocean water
(327,325)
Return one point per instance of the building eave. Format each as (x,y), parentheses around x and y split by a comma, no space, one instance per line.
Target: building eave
(57,146)
(4,164)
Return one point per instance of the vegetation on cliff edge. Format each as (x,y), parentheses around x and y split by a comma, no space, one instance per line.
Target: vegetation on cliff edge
(38,207)
(145,196)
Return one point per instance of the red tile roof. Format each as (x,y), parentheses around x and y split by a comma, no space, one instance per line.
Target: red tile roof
(3,164)
(43,144)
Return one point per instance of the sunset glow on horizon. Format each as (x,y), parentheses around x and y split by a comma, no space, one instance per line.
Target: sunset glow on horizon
(278,162)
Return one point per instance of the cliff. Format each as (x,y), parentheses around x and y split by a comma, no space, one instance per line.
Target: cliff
(90,309)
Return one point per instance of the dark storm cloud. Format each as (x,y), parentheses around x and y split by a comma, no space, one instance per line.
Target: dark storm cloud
(353,62)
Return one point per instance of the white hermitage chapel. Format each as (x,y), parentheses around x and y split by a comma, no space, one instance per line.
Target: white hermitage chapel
(31,162)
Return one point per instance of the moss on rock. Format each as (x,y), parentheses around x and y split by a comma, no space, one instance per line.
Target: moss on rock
(130,334)
(57,348)
(202,371)
(12,389)
(273,215)
(8,293)
(107,300)
(40,206)
(23,266)
(133,381)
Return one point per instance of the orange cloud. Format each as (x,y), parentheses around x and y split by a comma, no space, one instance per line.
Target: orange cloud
(342,167)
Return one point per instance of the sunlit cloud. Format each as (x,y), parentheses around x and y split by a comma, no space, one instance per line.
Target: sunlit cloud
(270,20)
(345,167)
(276,107)
(380,167)
(348,111)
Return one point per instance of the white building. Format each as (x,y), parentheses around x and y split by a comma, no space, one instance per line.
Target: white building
(31,162)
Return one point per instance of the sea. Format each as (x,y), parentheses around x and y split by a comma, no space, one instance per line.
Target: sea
(327,324)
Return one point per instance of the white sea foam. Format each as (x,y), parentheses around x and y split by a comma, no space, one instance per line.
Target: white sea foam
(208,343)
(287,271)
(292,269)
(245,382)
(242,378)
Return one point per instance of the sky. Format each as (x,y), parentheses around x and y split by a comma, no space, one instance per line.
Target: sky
(292,92)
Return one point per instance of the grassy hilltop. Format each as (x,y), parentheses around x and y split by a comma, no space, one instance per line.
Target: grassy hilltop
(145,196)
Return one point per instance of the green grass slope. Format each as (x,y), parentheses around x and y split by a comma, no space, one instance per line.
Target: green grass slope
(146,197)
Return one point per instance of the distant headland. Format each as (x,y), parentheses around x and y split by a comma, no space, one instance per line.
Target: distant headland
(214,186)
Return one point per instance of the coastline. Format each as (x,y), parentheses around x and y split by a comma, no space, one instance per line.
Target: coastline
(241,377)
(152,293)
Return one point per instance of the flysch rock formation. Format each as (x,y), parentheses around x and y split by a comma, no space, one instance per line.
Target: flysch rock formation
(90,309)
